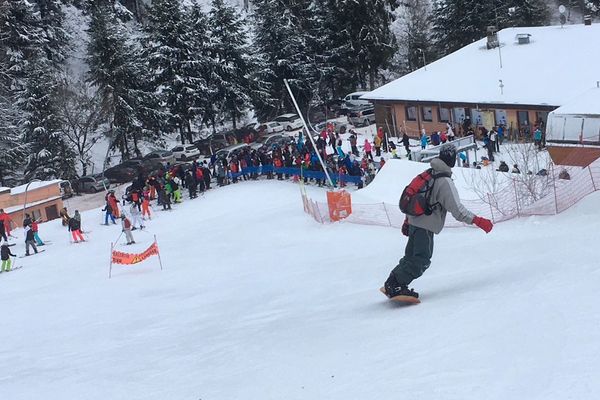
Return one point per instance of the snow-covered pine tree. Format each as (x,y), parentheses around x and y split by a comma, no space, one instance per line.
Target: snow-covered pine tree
(33,47)
(52,20)
(593,6)
(49,155)
(118,72)
(282,45)
(457,23)
(229,49)
(416,34)
(169,52)
(527,13)
(357,39)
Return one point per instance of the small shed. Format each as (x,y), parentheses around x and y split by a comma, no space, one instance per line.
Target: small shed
(573,130)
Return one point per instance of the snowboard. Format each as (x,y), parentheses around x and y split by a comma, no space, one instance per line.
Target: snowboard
(32,254)
(402,299)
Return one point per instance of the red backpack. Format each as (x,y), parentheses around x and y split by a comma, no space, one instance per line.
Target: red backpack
(414,200)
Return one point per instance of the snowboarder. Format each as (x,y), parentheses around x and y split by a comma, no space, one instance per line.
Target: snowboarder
(5,256)
(420,229)
(423,140)
(126,224)
(29,240)
(368,149)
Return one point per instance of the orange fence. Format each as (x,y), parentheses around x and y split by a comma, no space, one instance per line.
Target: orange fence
(511,202)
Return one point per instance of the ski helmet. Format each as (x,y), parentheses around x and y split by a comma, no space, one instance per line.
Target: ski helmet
(448,154)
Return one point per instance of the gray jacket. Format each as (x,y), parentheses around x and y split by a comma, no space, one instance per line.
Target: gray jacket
(445,198)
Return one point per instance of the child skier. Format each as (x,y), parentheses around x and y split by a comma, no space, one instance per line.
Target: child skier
(29,240)
(36,236)
(75,228)
(108,213)
(146,205)
(420,229)
(136,217)
(126,224)
(5,256)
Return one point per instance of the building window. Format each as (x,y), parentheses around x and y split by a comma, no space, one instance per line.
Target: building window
(36,215)
(443,114)
(411,113)
(427,113)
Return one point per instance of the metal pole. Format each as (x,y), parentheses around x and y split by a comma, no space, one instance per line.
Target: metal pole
(308,132)
(26,189)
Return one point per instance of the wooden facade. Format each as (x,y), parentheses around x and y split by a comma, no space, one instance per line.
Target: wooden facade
(411,117)
(42,201)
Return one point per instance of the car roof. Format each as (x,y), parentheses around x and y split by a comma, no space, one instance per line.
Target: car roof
(287,115)
(233,147)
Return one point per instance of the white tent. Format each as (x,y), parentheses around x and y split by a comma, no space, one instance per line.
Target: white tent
(576,122)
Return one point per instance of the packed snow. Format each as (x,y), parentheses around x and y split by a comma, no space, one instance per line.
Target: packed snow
(257,301)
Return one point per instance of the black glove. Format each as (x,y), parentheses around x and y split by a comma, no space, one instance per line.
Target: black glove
(405,226)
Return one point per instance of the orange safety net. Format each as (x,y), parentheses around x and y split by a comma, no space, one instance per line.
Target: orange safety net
(340,205)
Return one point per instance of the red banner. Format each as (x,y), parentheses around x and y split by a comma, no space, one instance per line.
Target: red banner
(119,257)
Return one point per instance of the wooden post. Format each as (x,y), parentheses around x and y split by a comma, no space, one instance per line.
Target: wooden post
(592,178)
(516,198)
(554,186)
(159,260)
(491,209)
(386,214)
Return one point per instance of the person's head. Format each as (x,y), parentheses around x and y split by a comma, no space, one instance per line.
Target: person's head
(448,154)
(1,210)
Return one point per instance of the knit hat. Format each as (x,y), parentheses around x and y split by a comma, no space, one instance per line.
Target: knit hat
(448,154)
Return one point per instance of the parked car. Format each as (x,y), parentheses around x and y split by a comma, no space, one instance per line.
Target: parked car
(231,151)
(339,127)
(268,128)
(66,191)
(162,156)
(141,165)
(267,140)
(354,100)
(290,122)
(363,117)
(186,152)
(91,184)
(120,174)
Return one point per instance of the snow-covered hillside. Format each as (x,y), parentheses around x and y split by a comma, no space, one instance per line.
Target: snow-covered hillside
(256,301)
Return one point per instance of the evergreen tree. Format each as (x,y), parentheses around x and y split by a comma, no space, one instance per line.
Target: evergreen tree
(457,23)
(52,20)
(49,155)
(527,13)
(416,34)
(119,75)
(233,64)
(593,6)
(282,47)
(169,53)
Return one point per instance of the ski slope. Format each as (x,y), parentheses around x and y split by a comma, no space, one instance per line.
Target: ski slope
(256,301)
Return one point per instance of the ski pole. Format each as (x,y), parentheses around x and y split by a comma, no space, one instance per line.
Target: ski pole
(119,237)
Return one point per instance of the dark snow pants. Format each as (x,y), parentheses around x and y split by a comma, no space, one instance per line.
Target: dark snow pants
(417,256)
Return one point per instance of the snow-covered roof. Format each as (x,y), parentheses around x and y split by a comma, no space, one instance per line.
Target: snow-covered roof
(585,104)
(557,64)
(19,207)
(33,185)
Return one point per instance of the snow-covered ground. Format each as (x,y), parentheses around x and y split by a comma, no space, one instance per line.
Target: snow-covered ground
(257,301)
